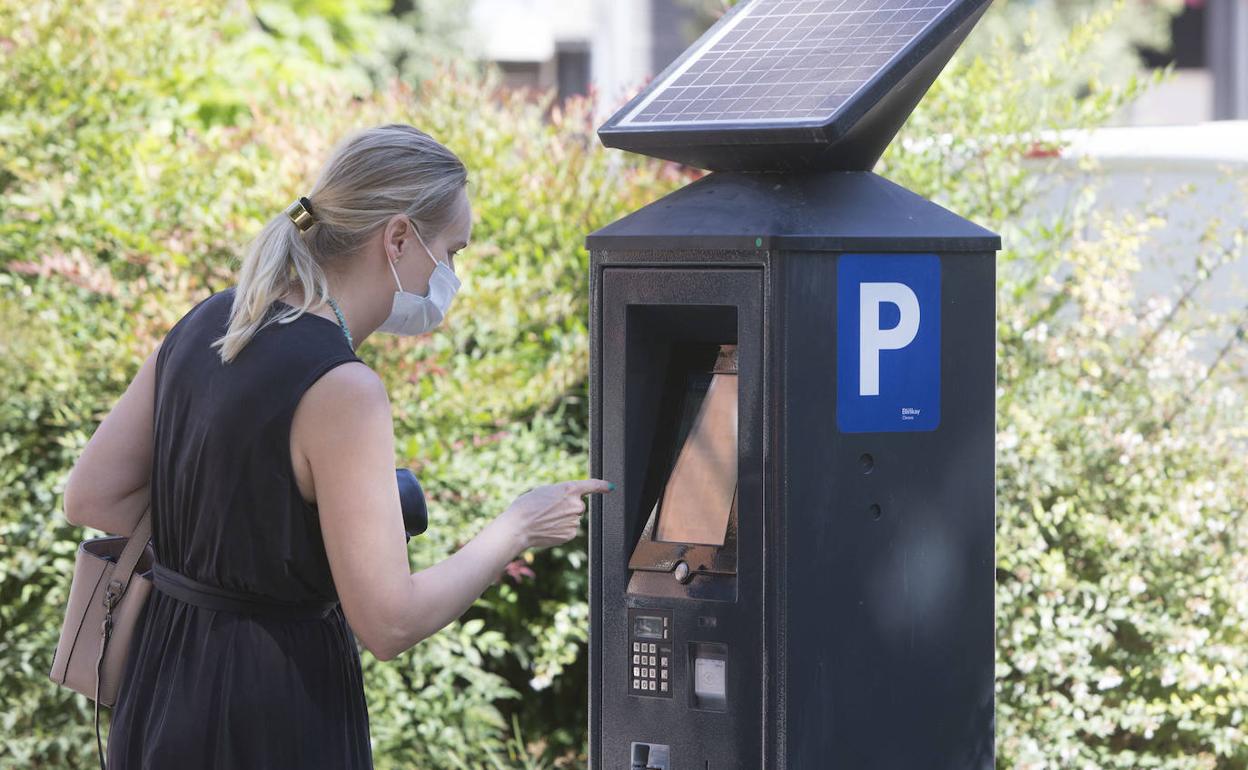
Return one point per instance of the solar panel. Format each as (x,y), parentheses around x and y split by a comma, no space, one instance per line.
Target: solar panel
(770,68)
(780,61)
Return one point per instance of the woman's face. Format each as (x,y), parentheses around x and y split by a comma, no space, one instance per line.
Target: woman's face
(412,262)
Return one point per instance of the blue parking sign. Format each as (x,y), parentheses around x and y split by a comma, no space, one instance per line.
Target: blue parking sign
(887,342)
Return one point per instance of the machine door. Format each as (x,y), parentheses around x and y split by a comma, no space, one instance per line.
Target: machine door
(676,650)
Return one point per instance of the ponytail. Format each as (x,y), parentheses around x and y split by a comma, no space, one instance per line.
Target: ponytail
(265,277)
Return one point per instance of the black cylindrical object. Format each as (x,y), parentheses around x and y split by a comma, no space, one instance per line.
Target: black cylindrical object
(412,499)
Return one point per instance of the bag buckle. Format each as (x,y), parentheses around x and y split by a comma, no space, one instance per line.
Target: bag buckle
(112,593)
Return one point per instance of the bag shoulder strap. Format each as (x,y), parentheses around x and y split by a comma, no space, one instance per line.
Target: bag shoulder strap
(133,549)
(129,559)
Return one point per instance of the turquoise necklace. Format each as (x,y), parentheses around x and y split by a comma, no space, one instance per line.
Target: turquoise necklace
(341,321)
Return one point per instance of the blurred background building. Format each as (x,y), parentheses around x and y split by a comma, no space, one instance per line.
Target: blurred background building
(1209,49)
(569,44)
(617,44)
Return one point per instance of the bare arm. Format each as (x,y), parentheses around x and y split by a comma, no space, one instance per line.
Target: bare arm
(110,484)
(343,425)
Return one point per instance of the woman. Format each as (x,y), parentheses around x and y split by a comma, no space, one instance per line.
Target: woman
(266,448)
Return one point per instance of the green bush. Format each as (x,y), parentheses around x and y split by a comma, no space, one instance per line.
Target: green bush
(132,170)
(126,197)
(1122,478)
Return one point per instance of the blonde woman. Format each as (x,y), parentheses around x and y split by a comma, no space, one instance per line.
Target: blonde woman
(266,448)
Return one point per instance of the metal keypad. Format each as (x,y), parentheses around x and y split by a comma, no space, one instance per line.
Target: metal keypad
(650,659)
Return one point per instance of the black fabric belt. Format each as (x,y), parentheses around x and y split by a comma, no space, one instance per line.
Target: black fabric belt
(181,587)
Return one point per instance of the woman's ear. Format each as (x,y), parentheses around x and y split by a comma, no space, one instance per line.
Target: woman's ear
(393,237)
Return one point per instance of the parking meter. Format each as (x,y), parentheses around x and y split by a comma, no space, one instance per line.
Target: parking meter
(792,383)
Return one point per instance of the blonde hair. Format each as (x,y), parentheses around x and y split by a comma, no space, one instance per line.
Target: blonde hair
(371,175)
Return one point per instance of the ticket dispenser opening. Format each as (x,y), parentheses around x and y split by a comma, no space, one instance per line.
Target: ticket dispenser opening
(688,543)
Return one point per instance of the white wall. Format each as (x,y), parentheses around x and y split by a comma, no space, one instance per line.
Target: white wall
(621,51)
(1204,165)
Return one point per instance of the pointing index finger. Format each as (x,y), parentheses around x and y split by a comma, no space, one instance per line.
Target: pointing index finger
(586,486)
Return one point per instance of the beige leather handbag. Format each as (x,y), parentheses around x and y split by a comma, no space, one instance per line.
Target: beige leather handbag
(112,579)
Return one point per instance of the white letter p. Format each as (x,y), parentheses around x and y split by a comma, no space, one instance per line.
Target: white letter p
(872,339)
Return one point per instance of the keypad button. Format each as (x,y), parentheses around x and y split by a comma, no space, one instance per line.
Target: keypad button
(635,658)
(663,660)
(636,685)
(663,686)
(651,646)
(636,646)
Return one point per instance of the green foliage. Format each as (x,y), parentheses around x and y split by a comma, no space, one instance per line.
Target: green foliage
(1122,548)
(1146,24)
(58,376)
(133,167)
(128,184)
(356,42)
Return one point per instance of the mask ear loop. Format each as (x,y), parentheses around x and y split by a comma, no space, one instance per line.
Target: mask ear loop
(422,243)
(427,251)
(390,262)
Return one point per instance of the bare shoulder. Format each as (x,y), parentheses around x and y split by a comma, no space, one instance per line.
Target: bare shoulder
(346,387)
(346,407)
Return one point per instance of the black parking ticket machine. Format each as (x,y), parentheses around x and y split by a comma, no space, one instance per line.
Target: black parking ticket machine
(792,383)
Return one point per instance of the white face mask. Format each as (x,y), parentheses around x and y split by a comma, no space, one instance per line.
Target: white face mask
(413,314)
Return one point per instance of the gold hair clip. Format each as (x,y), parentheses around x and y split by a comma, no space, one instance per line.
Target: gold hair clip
(300,212)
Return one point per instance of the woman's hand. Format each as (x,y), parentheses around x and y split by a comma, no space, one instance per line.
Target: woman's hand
(551,514)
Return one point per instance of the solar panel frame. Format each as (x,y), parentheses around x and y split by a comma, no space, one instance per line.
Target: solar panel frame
(616,131)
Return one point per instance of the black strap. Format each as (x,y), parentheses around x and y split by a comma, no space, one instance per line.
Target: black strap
(212,597)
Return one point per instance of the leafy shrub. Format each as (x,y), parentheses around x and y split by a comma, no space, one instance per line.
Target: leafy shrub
(1122,476)
(126,199)
(132,170)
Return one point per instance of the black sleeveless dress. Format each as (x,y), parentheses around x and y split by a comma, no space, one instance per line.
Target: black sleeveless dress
(206,688)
